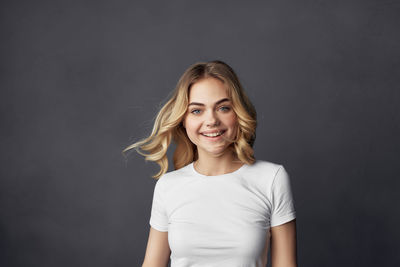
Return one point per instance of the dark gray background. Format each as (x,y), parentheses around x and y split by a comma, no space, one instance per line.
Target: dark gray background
(81,80)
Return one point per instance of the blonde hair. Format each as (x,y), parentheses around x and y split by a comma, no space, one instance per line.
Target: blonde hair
(168,123)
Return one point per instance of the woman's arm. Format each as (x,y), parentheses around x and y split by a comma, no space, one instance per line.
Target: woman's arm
(158,250)
(283,245)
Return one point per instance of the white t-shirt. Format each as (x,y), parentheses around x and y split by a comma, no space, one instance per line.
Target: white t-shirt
(221,220)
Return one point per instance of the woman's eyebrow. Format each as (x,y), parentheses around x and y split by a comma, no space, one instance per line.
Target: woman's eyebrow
(216,103)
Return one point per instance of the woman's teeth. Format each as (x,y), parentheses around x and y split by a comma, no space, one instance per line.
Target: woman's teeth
(213,134)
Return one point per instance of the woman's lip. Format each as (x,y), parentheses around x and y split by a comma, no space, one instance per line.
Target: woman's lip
(222,132)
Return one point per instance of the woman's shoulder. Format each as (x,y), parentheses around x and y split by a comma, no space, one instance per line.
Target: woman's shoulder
(261,175)
(175,175)
(264,165)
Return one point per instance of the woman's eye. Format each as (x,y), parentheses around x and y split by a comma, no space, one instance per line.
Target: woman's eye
(225,108)
(195,111)
(198,111)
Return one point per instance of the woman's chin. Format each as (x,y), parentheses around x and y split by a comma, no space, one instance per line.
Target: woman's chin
(217,151)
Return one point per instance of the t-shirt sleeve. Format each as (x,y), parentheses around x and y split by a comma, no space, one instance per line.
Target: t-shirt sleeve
(282,199)
(158,217)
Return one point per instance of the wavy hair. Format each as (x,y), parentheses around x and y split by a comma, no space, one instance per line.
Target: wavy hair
(168,123)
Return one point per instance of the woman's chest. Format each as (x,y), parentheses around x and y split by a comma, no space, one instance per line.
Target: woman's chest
(219,218)
(233,203)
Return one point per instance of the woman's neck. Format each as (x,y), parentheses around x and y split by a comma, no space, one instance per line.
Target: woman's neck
(217,165)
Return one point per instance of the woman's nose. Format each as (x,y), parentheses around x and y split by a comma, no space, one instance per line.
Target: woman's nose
(211,118)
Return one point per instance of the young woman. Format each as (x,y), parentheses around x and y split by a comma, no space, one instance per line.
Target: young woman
(220,206)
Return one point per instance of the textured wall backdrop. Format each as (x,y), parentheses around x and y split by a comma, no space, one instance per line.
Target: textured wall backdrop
(81,80)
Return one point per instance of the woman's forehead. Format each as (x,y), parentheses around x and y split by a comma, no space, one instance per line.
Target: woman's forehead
(208,90)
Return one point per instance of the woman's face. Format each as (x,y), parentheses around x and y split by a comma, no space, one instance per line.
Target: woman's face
(210,113)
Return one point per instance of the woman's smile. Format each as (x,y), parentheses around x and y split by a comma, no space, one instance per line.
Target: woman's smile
(213,133)
(214,136)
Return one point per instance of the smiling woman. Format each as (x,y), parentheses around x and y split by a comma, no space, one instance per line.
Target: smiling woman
(213,125)
(196,83)
(220,206)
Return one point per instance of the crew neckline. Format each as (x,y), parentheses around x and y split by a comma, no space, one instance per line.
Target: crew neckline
(244,166)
